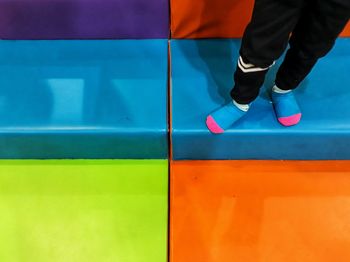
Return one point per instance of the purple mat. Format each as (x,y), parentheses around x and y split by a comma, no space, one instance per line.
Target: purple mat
(83,19)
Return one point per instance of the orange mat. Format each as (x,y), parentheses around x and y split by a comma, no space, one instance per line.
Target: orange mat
(260,211)
(212,19)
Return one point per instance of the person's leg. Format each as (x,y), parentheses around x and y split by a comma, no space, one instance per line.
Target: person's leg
(313,37)
(265,39)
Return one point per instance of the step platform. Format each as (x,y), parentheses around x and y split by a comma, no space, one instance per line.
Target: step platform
(84,19)
(248,211)
(202,76)
(83,210)
(83,99)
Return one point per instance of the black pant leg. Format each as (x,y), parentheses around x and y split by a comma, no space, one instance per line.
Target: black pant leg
(314,36)
(265,39)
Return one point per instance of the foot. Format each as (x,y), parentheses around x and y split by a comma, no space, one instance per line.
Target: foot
(286,108)
(224,117)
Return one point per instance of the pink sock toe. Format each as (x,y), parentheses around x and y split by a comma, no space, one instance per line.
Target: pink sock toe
(290,120)
(213,126)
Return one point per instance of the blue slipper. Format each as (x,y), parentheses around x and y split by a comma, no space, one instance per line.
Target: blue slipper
(286,108)
(223,118)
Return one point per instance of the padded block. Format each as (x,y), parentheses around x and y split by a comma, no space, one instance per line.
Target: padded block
(83,19)
(248,211)
(346,32)
(202,76)
(211,19)
(83,99)
(83,210)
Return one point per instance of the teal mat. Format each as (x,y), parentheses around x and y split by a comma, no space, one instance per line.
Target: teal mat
(202,77)
(83,99)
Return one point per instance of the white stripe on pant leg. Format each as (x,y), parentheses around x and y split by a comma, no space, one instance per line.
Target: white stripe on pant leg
(249,68)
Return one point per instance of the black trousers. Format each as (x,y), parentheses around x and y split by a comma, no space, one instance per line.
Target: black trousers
(309,26)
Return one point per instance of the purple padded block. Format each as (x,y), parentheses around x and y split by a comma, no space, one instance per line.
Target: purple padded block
(83,19)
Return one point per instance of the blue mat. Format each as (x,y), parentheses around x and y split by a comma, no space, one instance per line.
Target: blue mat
(83,99)
(202,76)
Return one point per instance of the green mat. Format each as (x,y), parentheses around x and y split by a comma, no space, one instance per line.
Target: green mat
(80,211)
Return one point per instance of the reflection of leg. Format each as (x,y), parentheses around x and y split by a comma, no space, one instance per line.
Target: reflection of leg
(265,39)
(313,37)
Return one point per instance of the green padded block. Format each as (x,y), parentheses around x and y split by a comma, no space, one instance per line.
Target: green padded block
(83,210)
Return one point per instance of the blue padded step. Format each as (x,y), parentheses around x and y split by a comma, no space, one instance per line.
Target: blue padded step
(83,99)
(202,76)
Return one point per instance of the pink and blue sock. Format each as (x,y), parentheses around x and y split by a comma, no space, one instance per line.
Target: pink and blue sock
(225,117)
(286,107)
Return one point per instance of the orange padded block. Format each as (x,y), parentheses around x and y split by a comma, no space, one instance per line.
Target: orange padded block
(260,211)
(212,19)
(346,31)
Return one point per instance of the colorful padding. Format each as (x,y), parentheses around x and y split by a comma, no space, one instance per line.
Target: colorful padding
(248,211)
(212,19)
(202,76)
(83,210)
(83,99)
(82,19)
